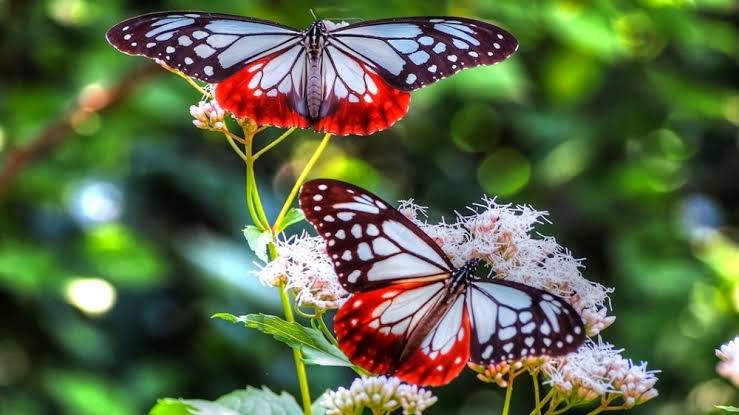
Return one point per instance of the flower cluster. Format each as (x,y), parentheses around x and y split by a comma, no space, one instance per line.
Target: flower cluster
(501,235)
(728,367)
(381,395)
(598,369)
(304,267)
(502,373)
(208,116)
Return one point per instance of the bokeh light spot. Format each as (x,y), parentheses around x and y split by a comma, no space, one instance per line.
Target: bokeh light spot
(504,173)
(92,296)
(96,202)
(474,128)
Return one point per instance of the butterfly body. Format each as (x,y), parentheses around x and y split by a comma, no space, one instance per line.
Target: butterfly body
(338,78)
(414,315)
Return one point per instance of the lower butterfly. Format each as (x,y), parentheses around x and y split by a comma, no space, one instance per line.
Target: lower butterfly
(339,78)
(412,314)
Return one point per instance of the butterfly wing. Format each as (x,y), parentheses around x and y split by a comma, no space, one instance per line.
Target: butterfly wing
(259,65)
(356,99)
(373,329)
(412,52)
(370,243)
(511,320)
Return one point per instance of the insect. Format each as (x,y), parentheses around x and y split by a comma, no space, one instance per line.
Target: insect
(338,78)
(414,315)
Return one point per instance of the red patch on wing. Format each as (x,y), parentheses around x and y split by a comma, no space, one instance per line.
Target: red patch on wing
(377,349)
(436,369)
(371,113)
(235,95)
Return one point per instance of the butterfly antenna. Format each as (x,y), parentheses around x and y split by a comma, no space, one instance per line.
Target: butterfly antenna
(315,18)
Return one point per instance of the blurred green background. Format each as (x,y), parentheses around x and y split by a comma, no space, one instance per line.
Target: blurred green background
(120,233)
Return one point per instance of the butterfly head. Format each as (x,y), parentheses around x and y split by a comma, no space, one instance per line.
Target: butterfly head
(314,36)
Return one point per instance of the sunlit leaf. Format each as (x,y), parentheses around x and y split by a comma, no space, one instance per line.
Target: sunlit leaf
(258,241)
(316,349)
(293,216)
(250,401)
(728,408)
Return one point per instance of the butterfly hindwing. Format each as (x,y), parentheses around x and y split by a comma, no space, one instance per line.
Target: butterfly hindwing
(373,329)
(356,100)
(269,91)
(412,52)
(511,320)
(206,46)
(370,243)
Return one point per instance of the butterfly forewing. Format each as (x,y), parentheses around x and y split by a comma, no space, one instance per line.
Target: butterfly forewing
(370,243)
(511,320)
(206,46)
(412,52)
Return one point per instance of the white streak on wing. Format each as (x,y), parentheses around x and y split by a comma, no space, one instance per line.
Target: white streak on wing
(445,334)
(551,316)
(170,26)
(329,77)
(278,68)
(285,86)
(402,265)
(504,295)
(219,41)
(341,92)
(459,44)
(460,26)
(401,327)
(407,239)
(382,246)
(377,51)
(348,70)
(386,30)
(171,19)
(164,36)
(354,276)
(249,47)
(484,315)
(404,45)
(409,302)
(456,33)
(359,207)
(297,75)
(234,27)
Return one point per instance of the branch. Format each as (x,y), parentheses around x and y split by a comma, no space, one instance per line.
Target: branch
(89,103)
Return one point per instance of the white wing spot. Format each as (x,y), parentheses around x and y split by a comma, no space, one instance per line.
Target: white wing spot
(426,40)
(322,187)
(487,352)
(340,234)
(367,98)
(577,329)
(208,70)
(353,98)
(127,37)
(473,54)
(316,208)
(529,341)
(357,303)
(199,34)
(569,338)
(150,45)
(364,252)
(496,45)
(419,57)
(432,68)
(384,247)
(500,36)
(317,198)
(410,79)
(204,50)
(507,333)
(373,231)
(347,255)
(452,58)
(126,28)
(357,230)
(371,86)
(528,328)
(352,278)
(508,347)
(184,41)
(459,44)
(188,61)
(345,216)
(545,329)
(440,47)
(359,207)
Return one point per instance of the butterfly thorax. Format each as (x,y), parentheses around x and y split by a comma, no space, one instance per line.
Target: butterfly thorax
(314,39)
(455,286)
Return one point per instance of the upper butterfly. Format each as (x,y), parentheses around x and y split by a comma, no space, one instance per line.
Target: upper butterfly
(412,313)
(338,78)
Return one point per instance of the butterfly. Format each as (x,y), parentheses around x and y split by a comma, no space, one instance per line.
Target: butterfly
(412,314)
(338,78)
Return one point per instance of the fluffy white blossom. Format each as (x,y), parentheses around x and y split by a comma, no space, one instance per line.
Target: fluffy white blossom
(598,369)
(304,267)
(208,115)
(381,395)
(503,237)
(728,367)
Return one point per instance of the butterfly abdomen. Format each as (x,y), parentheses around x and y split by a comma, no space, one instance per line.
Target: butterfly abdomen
(314,86)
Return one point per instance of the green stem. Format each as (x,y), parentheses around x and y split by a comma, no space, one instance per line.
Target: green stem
(535,378)
(543,402)
(297,355)
(325,330)
(277,227)
(508,394)
(274,142)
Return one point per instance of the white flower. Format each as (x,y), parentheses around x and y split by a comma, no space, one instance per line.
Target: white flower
(598,369)
(503,237)
(304,266)
(728,367)
(382,395)
(208,115)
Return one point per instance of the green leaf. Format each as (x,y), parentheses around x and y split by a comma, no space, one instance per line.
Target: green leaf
(728,408)
(258,241)
(293,216)
(250,401)
(316,349)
